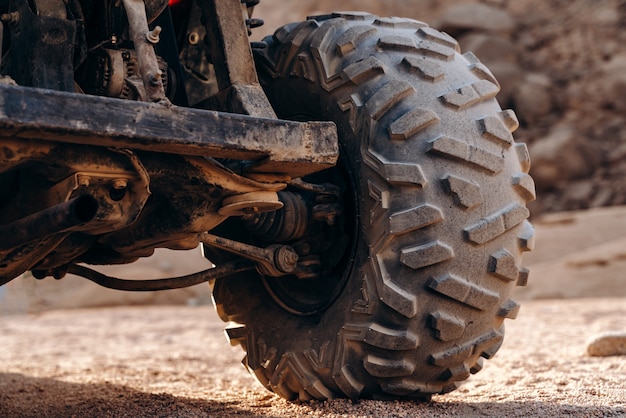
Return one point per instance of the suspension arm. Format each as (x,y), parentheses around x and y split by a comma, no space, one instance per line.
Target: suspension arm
(275,260)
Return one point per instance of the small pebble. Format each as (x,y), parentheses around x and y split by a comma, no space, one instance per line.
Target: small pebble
(607,344)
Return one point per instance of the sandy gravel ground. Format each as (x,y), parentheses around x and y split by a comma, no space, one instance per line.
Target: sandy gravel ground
(174,361)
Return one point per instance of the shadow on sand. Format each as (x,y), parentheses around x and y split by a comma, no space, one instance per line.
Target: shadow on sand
(26,396)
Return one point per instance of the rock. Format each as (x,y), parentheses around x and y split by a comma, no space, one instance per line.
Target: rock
(607,344)
(562,156)
(610,87)
(578,192)
(533,98)
(603,197)
(605,15)
(475,17)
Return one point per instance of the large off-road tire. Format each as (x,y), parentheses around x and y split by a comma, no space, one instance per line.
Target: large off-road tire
(438,190)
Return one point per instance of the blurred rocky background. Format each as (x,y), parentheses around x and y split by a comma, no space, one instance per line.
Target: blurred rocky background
(562,68)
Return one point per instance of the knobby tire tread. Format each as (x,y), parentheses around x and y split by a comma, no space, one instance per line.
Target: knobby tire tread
(443,189)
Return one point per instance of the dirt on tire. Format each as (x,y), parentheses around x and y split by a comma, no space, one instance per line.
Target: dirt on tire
(439,189)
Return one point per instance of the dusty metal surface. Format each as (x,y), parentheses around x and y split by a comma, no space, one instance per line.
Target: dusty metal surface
(49,44)
(144,41)
(237,81)
(66,216)
(157,174)
(274,260)
(292,148)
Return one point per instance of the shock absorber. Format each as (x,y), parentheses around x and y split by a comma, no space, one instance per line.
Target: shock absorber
(286,224)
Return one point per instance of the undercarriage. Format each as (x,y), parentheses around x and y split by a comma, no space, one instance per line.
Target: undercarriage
(95,179)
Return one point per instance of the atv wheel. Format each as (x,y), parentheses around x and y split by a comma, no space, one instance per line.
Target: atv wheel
(434,214)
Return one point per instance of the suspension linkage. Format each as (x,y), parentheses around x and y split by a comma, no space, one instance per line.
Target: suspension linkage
(275,260)
(224,270)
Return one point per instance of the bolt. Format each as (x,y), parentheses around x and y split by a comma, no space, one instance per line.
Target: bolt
(118,189)
(13,17)
(120,184)
(155,78)
(286,259)
(84,181)
(153,35)
(194,38)
(291,257)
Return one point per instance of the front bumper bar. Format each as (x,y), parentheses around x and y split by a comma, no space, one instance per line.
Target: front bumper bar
(274,146)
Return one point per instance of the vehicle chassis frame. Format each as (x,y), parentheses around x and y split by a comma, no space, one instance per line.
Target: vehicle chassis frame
(243,128)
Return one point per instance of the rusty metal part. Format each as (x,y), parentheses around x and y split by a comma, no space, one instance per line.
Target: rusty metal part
(153,36)
(238,84)
(167,50)
(115,178)
(309,267)
(215,173)
(284,225)
(113,85)
(327,212)
(143,41)
(115,73)
(39,175)
(275,260)
(152,169)
(279,146)
(186,194)
(322,189)
(66,216)
(224,270)
(198,72)
(45,43)
(253,202)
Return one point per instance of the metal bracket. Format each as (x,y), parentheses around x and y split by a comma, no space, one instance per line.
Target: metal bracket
(144,41)
(42,52)
(240,91)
